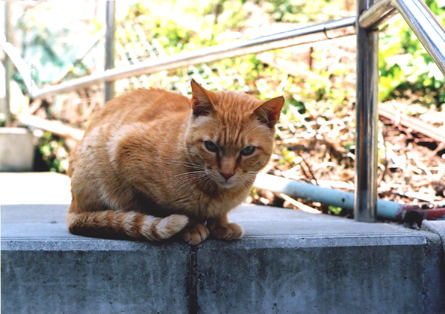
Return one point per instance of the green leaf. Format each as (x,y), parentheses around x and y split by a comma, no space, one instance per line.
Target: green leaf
(335,210)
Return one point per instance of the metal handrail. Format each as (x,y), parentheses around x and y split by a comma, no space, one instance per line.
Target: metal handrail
(365,201)
(419,18)
(310,34)
(432,36)
(370,16)
(377,14)
(109,47)
(429,31)
(426,27)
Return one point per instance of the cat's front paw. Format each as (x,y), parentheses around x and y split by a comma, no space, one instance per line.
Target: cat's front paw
(195,234)
(227,231)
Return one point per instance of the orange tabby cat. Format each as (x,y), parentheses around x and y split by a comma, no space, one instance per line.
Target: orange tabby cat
(153,164)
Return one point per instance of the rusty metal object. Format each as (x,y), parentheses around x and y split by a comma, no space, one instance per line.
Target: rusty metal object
(385,209)
(415,214)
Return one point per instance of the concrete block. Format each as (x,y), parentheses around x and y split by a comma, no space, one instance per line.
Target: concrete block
(308,277)
(45,269)
(104,277)
(288,262)
(438,261)
(16,149)
(321,265)
(438,227)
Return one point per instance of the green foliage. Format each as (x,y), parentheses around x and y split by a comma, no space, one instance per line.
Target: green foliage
(288,157)
(403,63)
(405,67)
(53,152)
(2,119)
(335,210)
(301,11)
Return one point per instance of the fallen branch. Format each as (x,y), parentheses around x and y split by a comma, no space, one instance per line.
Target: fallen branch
(414,124)
(51,126)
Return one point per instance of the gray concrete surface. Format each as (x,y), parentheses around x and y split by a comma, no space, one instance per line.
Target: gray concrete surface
(288,262)
(437,227)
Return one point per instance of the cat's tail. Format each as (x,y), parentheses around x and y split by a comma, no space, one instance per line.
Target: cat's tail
(119,224)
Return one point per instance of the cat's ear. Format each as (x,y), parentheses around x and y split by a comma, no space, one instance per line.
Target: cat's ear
(269,111)
(201,101)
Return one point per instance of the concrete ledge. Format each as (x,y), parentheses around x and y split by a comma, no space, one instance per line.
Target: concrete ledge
(437,227)
(289,261)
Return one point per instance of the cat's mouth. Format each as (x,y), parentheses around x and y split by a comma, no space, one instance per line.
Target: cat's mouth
(226,184)
(223,183)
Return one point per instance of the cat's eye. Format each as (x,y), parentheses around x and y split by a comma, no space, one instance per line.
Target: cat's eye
(211,146)
(248,150)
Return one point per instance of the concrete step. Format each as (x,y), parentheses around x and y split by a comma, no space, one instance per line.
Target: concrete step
(288,262)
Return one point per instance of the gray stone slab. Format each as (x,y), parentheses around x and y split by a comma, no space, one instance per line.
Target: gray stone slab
(265,221)
(438,227)
(100,278)
(288,261)
(39,213)
(320,264)
(45,269)
(317,276)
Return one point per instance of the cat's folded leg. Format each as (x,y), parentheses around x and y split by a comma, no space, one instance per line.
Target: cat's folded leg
(195,232)
(222,229)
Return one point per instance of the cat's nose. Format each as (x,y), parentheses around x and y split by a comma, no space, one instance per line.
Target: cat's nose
(226,175)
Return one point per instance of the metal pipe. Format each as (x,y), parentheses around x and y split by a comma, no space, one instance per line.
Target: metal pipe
(7,65)
(310,34)
(427,28)
(109,47)
(377,14)
(70,85)
(385,209)
(366,121)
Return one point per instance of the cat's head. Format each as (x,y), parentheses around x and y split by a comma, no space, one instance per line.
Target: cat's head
(231,134)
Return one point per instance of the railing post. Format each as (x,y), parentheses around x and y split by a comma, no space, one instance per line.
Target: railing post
(7,64)
(109,47)
(366,124)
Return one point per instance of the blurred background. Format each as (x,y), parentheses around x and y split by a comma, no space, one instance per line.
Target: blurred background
(64,40)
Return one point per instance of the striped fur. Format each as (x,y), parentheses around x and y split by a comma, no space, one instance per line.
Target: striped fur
(118,224)
(144,169)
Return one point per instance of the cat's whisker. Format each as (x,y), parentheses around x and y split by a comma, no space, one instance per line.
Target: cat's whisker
(183,163)
(186,179)
(188,183)
(190,173)
(207,181)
